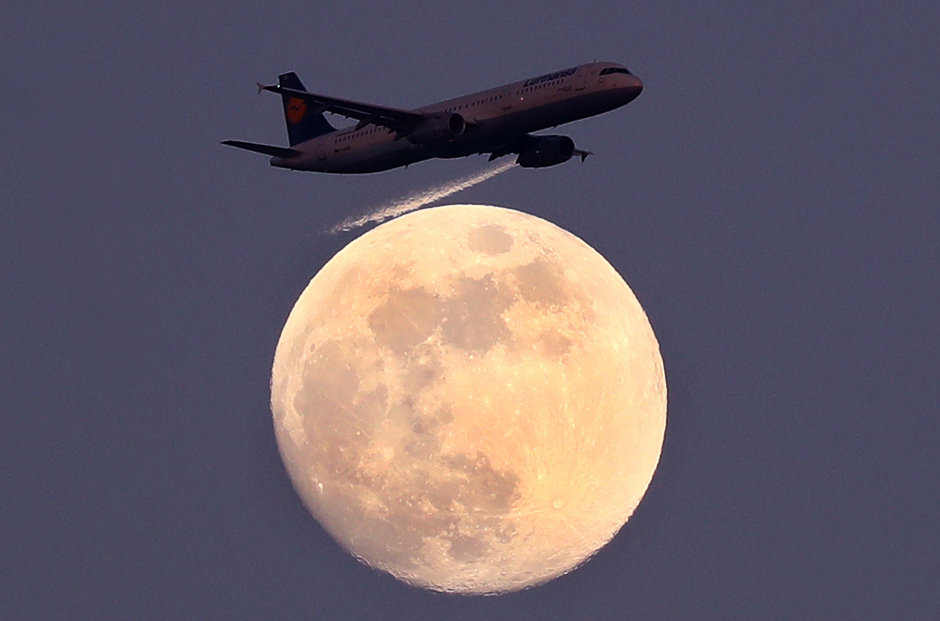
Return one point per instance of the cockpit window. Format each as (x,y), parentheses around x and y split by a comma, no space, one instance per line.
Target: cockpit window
(609,70)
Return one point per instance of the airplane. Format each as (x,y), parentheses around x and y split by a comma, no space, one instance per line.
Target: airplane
(499,121)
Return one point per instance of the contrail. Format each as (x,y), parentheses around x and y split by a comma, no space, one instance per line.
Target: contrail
(423,198)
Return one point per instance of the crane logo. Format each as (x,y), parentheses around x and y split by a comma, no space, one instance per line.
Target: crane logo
(296,110)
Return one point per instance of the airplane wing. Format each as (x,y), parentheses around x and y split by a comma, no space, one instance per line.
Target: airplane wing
(392,118)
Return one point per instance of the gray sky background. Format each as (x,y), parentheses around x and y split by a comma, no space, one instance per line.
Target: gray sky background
(772,198)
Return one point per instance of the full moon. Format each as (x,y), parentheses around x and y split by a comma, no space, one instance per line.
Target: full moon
(469,398)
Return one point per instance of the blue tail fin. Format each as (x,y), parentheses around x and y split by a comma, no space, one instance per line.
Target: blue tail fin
(302,124)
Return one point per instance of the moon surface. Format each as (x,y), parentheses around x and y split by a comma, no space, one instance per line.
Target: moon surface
(469,398)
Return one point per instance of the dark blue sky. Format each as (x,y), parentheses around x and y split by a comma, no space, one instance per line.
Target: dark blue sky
(772,198)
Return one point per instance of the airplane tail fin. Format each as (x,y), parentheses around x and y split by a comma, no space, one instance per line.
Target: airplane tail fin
(302,123)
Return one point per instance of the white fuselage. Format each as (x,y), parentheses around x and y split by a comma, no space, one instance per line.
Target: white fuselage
(494,118)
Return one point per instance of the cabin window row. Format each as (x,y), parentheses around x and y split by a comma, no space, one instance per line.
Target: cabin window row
(538,86)
(475,103)
(346,137)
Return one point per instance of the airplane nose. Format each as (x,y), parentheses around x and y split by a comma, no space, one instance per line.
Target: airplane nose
(634,87)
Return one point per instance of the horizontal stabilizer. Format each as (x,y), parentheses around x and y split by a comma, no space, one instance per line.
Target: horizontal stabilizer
(266,149)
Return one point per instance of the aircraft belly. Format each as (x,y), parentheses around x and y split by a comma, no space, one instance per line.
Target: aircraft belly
(374,158)
(564,111)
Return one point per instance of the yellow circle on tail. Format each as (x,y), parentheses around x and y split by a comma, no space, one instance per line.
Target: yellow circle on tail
(296,110)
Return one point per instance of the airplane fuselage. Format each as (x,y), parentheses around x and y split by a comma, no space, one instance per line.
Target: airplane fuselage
(494,119)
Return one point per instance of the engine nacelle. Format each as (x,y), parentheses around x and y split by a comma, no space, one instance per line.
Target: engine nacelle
(545,151)
(438,129)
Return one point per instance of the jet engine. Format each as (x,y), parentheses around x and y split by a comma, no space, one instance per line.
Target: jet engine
(544,151)
(438,129)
